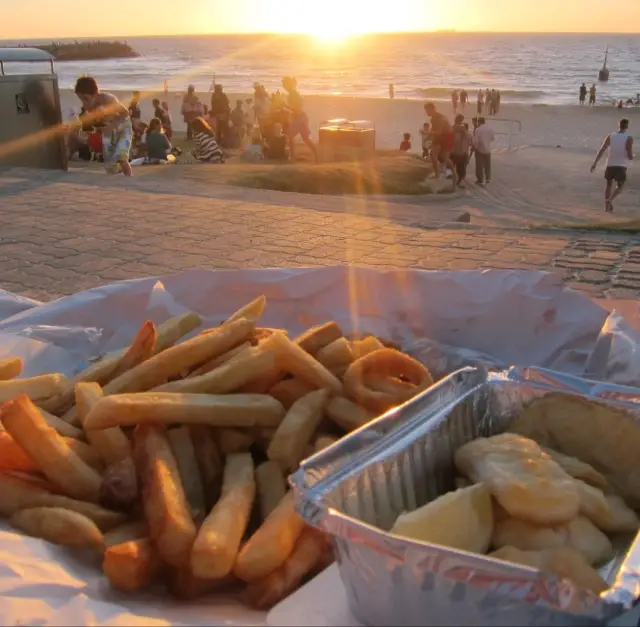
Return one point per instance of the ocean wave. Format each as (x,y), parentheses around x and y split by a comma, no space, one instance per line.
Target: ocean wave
(445,92)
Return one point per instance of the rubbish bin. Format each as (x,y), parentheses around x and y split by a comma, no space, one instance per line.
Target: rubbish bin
(30,132)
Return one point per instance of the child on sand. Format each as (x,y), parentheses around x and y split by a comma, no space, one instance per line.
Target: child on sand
(405,144)
(426,140)
(113,117)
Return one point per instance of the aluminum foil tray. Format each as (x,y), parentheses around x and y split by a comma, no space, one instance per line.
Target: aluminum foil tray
(356,488)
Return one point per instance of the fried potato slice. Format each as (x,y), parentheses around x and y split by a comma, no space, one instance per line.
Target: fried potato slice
(131,566)
(315,338)
(462,520)
(10,368)
(270,486)
(347,414)
(523,479)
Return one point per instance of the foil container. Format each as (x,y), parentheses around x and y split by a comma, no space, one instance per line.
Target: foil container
(355,489)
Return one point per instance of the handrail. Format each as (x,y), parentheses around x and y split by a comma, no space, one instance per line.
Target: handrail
(510,133)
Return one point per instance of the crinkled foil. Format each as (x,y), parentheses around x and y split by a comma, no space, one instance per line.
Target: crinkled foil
(358,487)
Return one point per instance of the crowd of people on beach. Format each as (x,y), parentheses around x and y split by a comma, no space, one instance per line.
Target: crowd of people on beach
(115,134)
(487,101)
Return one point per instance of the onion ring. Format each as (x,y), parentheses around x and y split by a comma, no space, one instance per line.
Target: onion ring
(385,363)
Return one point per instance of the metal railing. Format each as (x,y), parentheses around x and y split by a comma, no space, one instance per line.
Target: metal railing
(512,131)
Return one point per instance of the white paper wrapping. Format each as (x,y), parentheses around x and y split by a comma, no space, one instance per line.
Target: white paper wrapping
(502,317)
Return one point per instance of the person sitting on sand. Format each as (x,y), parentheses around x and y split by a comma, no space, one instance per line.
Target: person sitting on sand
(620,147)
(254,150)
(117,131)
(207,148)
(276,144)
(426,140)
(158,145)
(442,140)
(298,120)
(405,144)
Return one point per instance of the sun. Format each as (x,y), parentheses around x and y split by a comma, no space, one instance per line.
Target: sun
(331,31)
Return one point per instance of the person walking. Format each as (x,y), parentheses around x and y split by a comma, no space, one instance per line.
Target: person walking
(620,148)
(483,137)
(592,96)
(442,140)
(583,94)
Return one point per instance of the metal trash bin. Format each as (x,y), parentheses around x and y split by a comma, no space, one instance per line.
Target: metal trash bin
(30,133)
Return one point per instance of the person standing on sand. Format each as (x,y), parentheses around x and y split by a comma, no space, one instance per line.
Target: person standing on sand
(454,100)
(480,101)
(191,108)
(483,137)
(620,147)
(392,91)
(442,141)
(583,94)
(592,95)
(464,99)
(112,118)
(461,147)
(298,120)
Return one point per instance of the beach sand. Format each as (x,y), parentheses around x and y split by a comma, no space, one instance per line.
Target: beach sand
(541,163)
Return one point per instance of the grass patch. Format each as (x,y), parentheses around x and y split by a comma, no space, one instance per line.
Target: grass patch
(388,172)
(627,227)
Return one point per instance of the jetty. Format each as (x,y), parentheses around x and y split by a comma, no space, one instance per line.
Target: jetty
(87,50)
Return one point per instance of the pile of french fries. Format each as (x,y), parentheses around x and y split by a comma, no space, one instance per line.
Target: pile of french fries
(170,458)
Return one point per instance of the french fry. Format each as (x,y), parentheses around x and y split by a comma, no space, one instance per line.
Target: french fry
(336,354)
(131,566)
(316,338)
(165,504)
(208,460)
(10,368)
(46,447)
(367,345)
(270,487)
(252,311)
(390,385)
(170,362)
(38,389)
(61,426)
(289,391)
(216,547)
(170,331)
(251,364)
(126,533)
(309,551)
(13,457)
(36,481)
(261,384)
(184,452)
(17,494)
(292,358)
(347,414)
(324,442)
(58,525)
(296,430)
(231,410)
(218,361)
(111,444)
(271,545)
(140,349)
(234,441)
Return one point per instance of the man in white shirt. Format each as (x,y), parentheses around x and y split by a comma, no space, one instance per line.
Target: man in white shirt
(483,137)
(620,147)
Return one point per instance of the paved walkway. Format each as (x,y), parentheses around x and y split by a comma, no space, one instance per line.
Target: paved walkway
(61,233)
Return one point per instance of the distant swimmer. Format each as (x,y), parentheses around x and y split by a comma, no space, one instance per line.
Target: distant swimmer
(620,147)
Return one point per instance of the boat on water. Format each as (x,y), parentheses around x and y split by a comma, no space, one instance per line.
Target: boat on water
(603,74)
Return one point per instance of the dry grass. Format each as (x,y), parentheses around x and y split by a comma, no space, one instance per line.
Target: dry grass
(388,172)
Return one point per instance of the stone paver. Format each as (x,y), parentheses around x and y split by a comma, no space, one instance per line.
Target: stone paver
(59,235)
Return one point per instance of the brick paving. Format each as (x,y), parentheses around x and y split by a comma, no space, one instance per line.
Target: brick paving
(59,236)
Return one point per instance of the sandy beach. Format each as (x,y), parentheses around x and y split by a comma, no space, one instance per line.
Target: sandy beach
(541,172)
(570,127)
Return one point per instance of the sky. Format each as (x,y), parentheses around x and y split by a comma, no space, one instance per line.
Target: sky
(326,18)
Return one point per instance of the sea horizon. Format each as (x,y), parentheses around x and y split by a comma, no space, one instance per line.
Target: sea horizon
(535,68)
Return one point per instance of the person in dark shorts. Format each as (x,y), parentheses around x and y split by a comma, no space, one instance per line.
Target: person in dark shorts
(583,94)
(620,148)
(442,141)
(461,147)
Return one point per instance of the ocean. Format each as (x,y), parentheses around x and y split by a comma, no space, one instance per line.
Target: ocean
(527,68)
